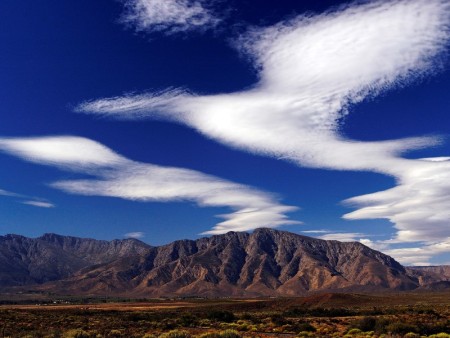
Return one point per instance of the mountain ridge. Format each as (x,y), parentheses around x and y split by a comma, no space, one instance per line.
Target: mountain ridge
(266,262)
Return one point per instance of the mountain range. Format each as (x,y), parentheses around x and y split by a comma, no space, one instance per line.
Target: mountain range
(266,262)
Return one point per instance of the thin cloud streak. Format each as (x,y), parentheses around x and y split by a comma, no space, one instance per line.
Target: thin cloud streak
(343,236)
(311,69)
(34,201)
(168,16)
(39,204)
(9,193)
(320,231)
(117,176)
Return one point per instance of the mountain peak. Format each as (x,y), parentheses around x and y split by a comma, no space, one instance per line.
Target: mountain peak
(267,262)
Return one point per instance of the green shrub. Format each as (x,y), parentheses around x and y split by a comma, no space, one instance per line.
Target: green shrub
(204,322)
(229,334)
(401,328)
(222,334)
(305,334)
(115,334)
(76,333)
(210,335)
(431,328)
(176,334)
(381,325)
(412,335)
(353,332)
(243,327)
(188,320)
(440,335)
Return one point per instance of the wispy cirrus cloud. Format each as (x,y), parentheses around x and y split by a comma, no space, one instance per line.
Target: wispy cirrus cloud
(169,16)
(311,69)
(117,176)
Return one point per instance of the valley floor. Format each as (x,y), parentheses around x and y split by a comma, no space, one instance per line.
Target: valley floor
(322,315)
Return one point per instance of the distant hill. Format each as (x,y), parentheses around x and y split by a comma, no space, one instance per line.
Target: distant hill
(265,263)
(431,277)
(27,261)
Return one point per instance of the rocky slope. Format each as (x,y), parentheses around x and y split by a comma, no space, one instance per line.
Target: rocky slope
(26,261)
(267,262)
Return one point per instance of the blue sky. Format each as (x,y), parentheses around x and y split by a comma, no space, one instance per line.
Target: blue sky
(168,119)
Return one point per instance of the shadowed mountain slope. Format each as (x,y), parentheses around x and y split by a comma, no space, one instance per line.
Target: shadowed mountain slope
(26,261)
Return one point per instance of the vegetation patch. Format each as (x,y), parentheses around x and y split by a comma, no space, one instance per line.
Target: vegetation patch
(231,319)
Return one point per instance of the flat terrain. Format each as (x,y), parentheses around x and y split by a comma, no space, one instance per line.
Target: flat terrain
(128,305)
(321,315)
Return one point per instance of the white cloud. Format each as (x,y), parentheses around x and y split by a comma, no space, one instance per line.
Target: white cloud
(116,176)
(418,205)
(39,204)
(320,231)
(310,70)
(135,234)
(415,254)
(34,201)
(69,151)
(343,236)
(8,193)
(169,16)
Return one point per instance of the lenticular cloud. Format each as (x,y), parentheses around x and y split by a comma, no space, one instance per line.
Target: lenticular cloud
(117,176)
(418,206)
(310,70)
